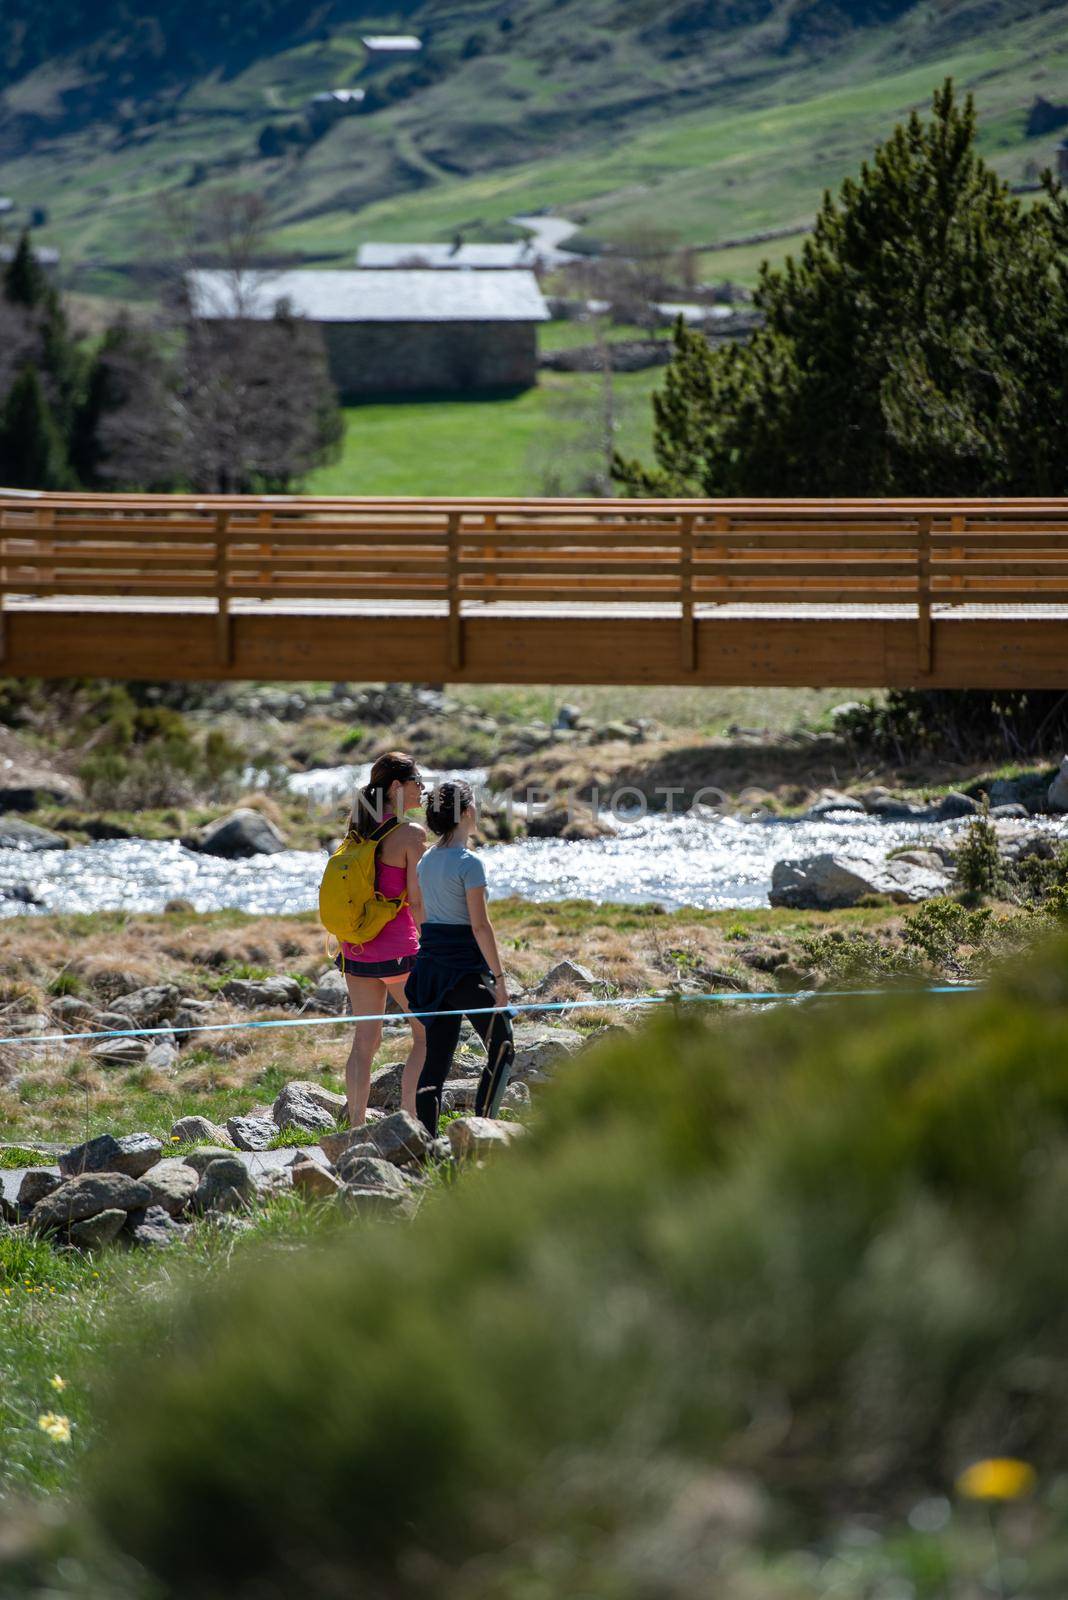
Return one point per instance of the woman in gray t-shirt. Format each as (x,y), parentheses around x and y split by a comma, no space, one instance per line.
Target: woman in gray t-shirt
(458,969)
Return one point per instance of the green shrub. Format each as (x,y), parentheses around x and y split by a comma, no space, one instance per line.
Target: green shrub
(823,1245)
(979,867)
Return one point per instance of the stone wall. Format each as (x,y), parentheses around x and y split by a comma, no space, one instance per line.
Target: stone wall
(421,357)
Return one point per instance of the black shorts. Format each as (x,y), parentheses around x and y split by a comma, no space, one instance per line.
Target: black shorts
(397,967)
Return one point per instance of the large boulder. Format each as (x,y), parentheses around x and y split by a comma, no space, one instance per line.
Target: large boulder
(27,836)
(120,1052)
(955,804)
(172,1184)
(1057,793)
(24,787)
(308,1107)
(87,1196)
(831,881)
(832,800)
(224,1186)
(131,1153)
(536,1059)
(255,993)
(475,1137)
(242,834)
(385,1093)
(400,1139)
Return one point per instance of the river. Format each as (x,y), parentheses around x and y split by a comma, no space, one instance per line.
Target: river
(712,862)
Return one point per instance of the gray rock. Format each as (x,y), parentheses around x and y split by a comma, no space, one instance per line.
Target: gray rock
(295,1108)
(26,836)
(162,1053)
(148,1008)
(69,1008)
(315,1182)
(326,1099)
(120,1052)
(1011,808)
(330,997)
(131,1153)
(474,1138)
(23,894)
(251,1133)
(930,860)
(87,1196)
(254,993)
(35,1185)
(224,1186)
(830,881)
(172,1184)
(155,1228)
(24,788)
(98,1230)
(371,1203)
(334,1144)
(200,1130)
(192,1013)
(895,810)
(200,1160)
(1004,792)
(369,1172)
(956,804)
(242,834)
(400,1139)
(537,1059)
(830,800)
(1057,793)
(459,1094)
(565,972)
(386,1087)
(1017,846)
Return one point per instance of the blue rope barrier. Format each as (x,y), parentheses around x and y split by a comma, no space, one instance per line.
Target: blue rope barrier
(625,1002)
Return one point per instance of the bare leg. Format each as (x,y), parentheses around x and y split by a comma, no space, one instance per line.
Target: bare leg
(366,996)
(413,1066)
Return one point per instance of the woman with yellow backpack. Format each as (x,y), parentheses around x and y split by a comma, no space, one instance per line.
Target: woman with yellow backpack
(370,900)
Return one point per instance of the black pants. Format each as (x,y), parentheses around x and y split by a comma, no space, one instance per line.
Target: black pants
(471,992)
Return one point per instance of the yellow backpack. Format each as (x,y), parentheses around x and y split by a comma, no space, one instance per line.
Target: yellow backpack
(350,907)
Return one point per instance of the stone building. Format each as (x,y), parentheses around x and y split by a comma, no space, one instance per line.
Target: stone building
(397,332)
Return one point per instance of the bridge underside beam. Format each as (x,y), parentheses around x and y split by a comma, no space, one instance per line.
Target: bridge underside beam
(966,651)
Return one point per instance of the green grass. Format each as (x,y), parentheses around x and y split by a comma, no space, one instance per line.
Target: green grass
(494,446)
(707,711)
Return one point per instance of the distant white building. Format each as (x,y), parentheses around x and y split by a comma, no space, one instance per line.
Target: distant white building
(330,104)
(44,255)
(396,332)
(391,44)
(455,257)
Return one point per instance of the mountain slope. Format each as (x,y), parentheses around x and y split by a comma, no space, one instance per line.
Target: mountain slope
(692,120)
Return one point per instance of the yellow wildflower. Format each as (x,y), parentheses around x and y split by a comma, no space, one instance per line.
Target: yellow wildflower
(57,1427)
(58,1383)
(999,1478)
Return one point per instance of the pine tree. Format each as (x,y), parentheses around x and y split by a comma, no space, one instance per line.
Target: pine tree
(25,283)
(32,451)
(916,347)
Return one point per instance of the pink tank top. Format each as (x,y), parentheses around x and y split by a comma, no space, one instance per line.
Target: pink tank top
(400,936)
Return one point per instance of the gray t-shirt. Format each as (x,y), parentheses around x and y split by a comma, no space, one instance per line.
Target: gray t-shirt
(446,872)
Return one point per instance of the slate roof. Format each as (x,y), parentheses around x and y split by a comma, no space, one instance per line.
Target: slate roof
(419,295)
(468,257)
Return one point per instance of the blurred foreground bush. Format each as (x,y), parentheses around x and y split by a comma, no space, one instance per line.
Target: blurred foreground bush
(746,1285)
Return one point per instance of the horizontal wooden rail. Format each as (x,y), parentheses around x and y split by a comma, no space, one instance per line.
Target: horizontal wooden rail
(480,556)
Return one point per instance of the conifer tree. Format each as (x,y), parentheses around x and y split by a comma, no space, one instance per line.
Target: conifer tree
(32,451)
(25,283)
(916,347)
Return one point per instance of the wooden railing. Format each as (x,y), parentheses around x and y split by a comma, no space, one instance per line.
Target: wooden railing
(683,553)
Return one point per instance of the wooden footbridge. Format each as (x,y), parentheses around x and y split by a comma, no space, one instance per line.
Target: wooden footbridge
(938,593)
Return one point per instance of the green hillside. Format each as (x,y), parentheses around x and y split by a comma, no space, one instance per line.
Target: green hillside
(691,121)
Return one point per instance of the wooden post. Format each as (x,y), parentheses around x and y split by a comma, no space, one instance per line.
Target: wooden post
(721,580)
(224,637)
(923,595)
(689,639)
(456,625)
(489,577)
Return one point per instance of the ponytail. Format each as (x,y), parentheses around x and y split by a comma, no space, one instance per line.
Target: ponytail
(371,803)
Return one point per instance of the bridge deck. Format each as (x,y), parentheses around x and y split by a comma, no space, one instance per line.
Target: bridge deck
(866,593)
